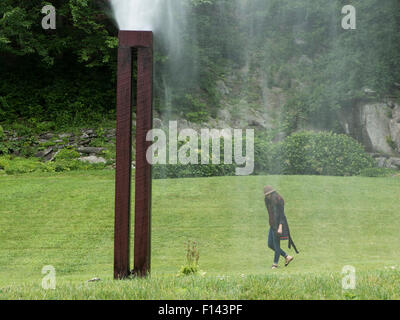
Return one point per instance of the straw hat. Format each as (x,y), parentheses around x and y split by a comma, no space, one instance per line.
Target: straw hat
(268,190)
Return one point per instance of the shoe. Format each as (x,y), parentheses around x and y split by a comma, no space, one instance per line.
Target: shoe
(288,260)
(274,266)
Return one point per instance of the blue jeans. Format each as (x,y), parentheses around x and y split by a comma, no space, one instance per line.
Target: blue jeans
(274,243)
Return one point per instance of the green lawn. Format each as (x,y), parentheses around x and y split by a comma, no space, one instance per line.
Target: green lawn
(66,220)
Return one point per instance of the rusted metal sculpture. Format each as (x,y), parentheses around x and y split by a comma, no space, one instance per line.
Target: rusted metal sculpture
(143,41)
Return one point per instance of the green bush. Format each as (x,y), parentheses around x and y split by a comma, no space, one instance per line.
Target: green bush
(67,154)
(303,153)
(262,154)
(319,153)
(162,171)
(18,165)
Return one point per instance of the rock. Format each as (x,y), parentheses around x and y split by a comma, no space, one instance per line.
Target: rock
(257,123)
(65,135)
(47,136)
(224,115)
(52,156)
(389,163)
(222,88)
(394,162)
(111,131)
(84,136)
(375,155)
(93,159)
(299,42)
(90,150)
(370,125)
(255,118)
(84,143)
(381,162)
(157,123)
(394,126)
(369,91)
(44,153)
(376,126)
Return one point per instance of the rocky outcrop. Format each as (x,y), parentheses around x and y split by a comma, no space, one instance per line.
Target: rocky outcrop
(386,161)
(47,145)
(395,126)
(376,125)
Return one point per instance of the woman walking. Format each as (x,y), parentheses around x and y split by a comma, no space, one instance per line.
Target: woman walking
(279,228)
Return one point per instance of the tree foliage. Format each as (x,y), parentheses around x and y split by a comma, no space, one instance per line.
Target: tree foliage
(299,46)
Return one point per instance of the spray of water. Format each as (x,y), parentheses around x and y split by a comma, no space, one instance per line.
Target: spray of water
(135,14)
(168,20)
(163,17)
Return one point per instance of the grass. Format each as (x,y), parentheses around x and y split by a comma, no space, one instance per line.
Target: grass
(376,285)
(66,220)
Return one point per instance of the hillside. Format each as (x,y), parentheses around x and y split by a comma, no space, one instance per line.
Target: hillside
(276,66)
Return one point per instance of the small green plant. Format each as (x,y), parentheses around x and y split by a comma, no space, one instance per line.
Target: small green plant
(350,296)
(392,144)
(192,260)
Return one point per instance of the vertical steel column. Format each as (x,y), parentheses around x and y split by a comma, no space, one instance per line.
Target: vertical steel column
(143,168)
(123,164)
(143,40)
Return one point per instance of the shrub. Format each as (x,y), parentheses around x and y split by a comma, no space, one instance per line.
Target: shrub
(19,165)
(162,171)
(67,154)
(262,154)
(319,153)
